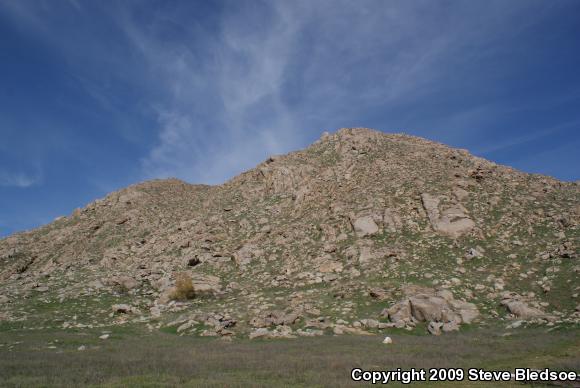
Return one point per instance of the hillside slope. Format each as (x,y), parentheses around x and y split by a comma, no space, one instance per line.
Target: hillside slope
(362,231)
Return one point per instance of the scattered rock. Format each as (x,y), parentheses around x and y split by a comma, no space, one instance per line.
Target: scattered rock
(428,305)
(206,284)
(452,221)
(365,226)
(517,306)
(123,283)
(274,318)
(434,328)
(342,329)
(378,293)
(315,239)
(125,309)
(278,333)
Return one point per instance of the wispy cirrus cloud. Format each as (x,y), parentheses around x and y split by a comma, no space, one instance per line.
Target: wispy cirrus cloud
(19,179)
(102,94)
(223,91)
(527,138)
(220,106)
(267,76)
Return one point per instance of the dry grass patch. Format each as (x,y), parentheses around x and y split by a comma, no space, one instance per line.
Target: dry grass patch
(183,287)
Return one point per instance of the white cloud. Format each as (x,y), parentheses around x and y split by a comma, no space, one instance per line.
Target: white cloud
(19,179)
(529,137)
(267,75)
(222,115)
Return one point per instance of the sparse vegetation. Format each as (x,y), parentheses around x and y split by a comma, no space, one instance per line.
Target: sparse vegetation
(133,358)
(183,287)
(322,242)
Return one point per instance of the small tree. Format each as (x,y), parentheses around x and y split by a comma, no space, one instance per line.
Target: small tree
(183,287)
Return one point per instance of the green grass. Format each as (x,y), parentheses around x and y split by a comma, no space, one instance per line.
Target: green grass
(46,310)
(136,357)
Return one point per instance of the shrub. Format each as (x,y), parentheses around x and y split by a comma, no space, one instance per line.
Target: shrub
(183,287)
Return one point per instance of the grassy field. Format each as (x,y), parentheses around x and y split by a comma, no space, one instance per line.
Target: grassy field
(135,357)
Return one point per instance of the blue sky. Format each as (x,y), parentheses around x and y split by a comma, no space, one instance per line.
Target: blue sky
(97,95)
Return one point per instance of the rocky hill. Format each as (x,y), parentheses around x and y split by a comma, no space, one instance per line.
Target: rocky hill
(360,232)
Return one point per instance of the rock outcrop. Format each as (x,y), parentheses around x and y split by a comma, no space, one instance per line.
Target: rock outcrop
(451,221)
(439,308)
(316,241)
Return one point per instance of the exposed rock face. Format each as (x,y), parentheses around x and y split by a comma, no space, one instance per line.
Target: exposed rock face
(342,329)
(328,234)
(392,221)
(279,332)
(378,293)
(123,282)
(206,284)
(522,310)
(365,226)
(439,308)
(329,265)
(517,306)
(452,221)
(246,254)
(125,309)
(275,318)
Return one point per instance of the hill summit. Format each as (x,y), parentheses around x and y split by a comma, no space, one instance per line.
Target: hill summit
(360,232)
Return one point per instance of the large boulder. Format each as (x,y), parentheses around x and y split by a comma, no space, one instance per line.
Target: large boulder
(277,333)
(260,333)
(365,226)
(439,308)
(378,293)
(206,284)
(391,220)
(123,282)
(218,322)
(399,312)
(330,266)
(452,221)
(468,312)
(428,308)
(246,254)
(522,310)
(343,329)
(274,318)
(366,255)
(516,305)
(125,309)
